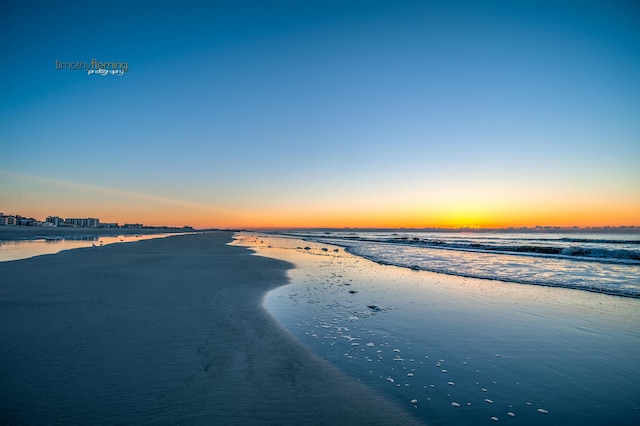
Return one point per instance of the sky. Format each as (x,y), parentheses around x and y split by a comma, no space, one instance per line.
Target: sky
(327,113)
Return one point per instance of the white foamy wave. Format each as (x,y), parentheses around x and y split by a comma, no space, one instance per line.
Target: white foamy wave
(607,264)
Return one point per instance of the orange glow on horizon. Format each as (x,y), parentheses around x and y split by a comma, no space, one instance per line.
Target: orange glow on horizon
(248,220)
(160,213)
(40,197)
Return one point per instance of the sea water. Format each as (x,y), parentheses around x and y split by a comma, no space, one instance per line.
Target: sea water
(460,350)
(604,262)
(24,249)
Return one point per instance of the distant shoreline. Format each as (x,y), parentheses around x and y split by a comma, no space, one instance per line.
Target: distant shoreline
(16,232)
(523,230)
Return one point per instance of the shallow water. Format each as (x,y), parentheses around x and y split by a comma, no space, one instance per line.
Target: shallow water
(15,250)
(462,351)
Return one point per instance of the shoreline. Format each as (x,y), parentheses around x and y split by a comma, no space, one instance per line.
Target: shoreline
(163,331)
(444,344)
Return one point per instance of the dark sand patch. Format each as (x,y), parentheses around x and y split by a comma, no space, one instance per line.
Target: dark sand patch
(165,331)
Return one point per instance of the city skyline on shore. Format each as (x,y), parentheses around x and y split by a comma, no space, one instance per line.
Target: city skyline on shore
(51,221)
(327,114)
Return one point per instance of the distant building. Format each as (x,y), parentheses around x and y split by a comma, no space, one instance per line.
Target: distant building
(7,220)
(17,220)
(83,223)
(133,225)
(25,221)
(54,220)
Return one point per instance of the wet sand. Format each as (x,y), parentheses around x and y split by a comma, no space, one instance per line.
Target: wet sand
(165,331)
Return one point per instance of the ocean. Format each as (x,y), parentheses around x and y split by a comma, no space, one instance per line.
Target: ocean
(466,328)
(599,262)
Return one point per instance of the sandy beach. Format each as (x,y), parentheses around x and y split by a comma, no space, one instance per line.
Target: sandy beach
(165,331)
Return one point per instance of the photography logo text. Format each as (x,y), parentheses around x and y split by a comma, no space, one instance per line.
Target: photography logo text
(94,67)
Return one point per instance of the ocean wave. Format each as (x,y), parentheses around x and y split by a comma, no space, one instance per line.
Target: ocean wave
(580,249)
(632,292)
(591,264)
(580,252)
(598,241)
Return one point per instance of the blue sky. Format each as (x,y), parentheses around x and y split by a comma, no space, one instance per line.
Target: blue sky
(387,113)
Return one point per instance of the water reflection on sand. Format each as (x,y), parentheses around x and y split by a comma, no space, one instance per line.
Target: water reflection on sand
(24,249)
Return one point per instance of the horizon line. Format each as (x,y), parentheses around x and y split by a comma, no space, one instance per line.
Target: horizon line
(442,228)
